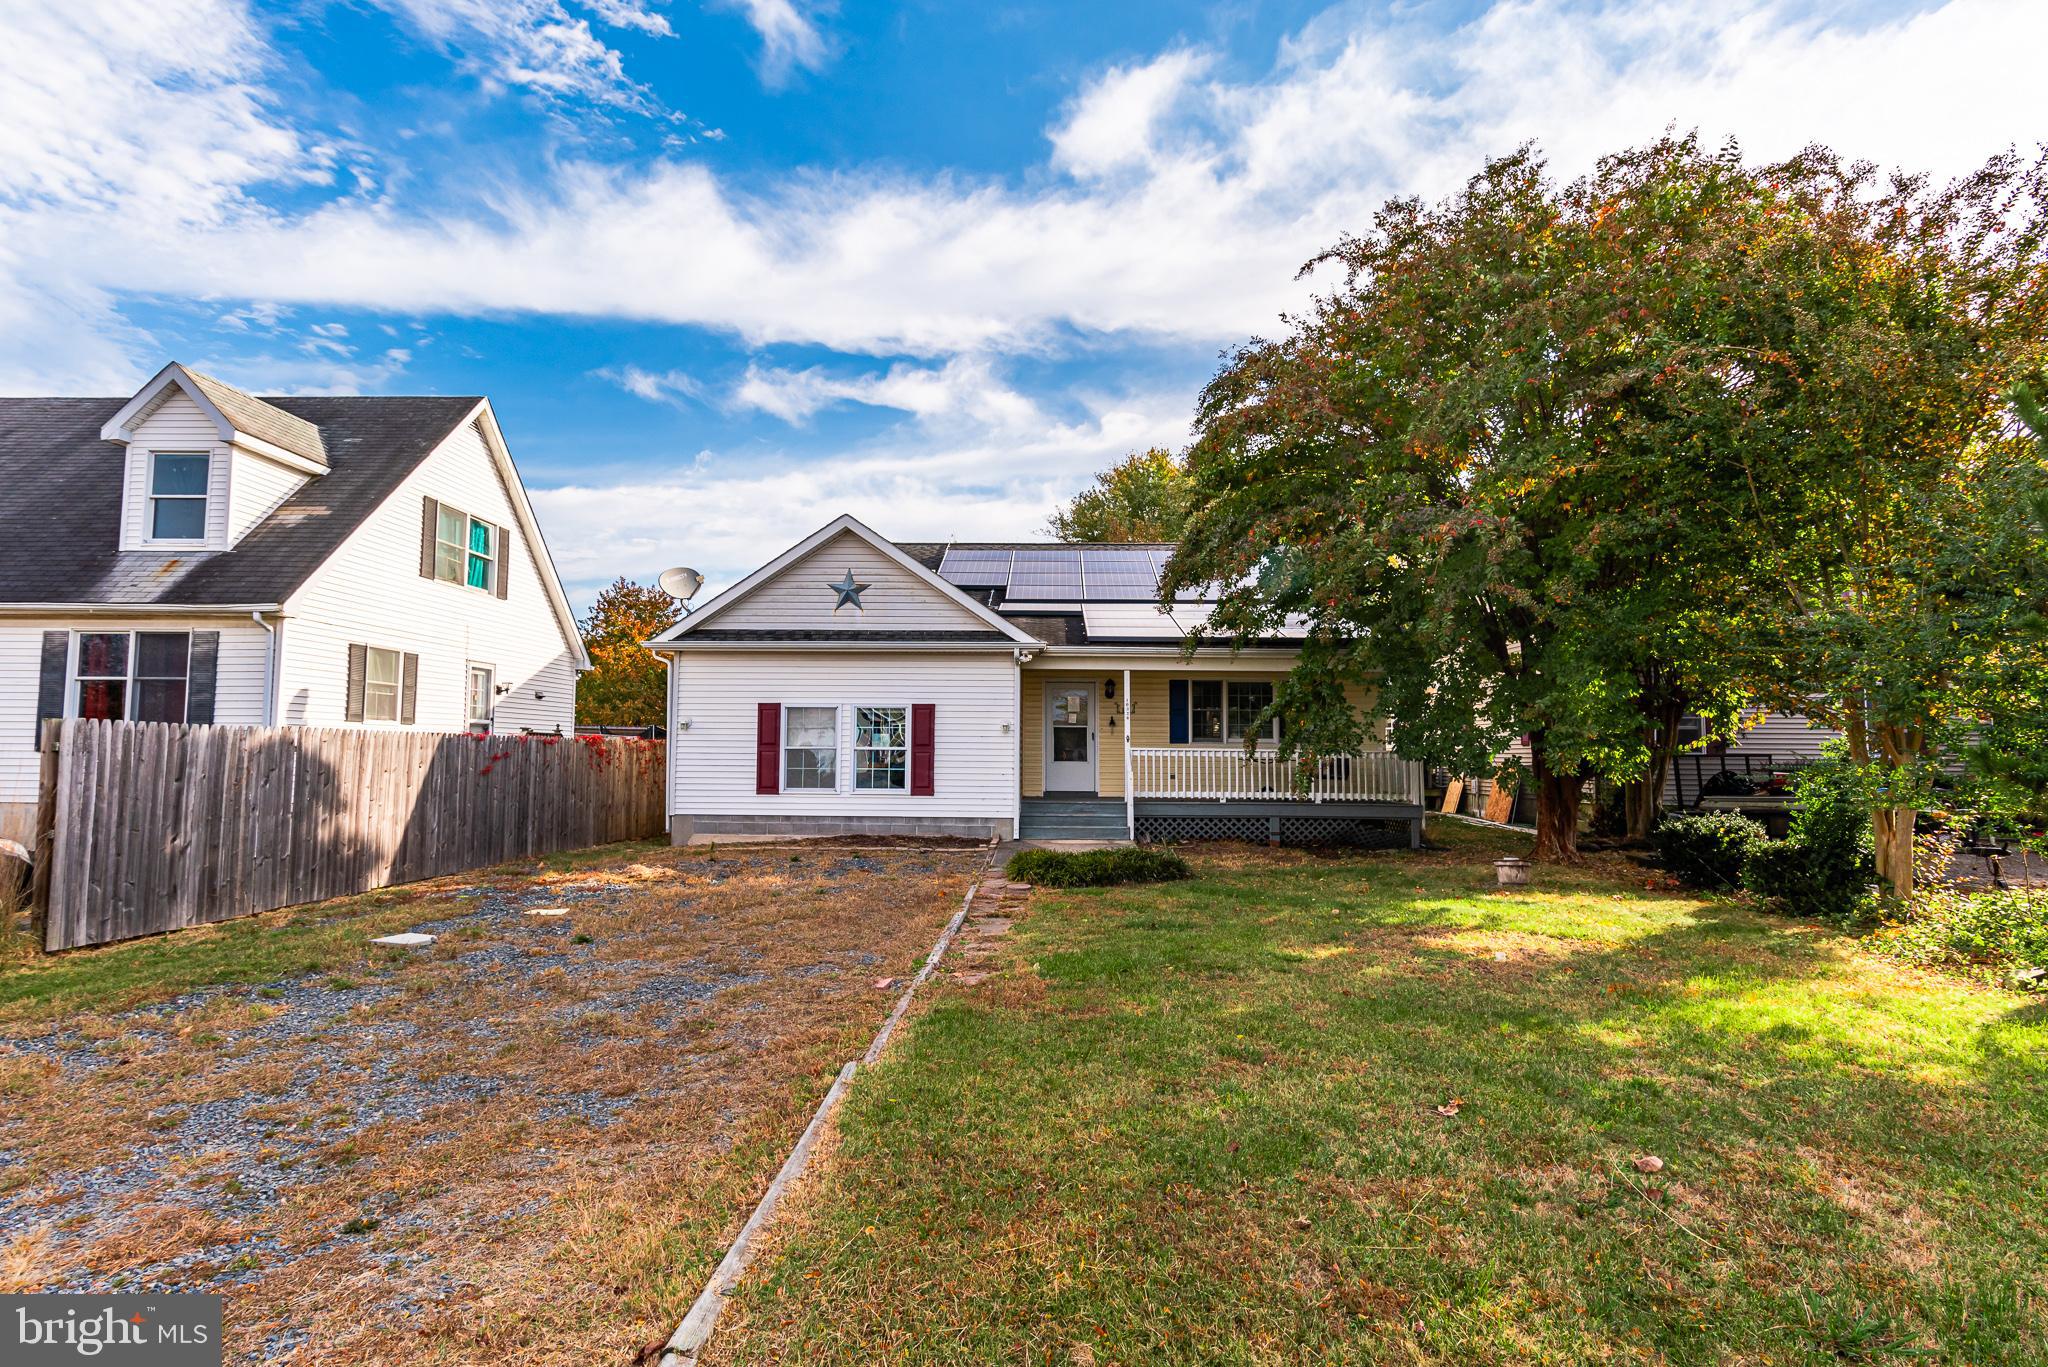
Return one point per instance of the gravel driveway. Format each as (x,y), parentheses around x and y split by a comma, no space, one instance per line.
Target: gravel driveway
(523,1143)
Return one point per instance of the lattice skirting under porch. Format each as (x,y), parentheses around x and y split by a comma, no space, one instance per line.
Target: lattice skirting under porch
(1288,830)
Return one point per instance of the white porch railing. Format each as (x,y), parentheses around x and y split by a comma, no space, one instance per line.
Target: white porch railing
(1226,774)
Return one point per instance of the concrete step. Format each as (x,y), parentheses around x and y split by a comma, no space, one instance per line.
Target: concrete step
(1051,832)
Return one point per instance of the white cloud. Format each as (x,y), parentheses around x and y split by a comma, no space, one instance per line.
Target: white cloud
(725,513)
(114,107)
(1112,124)
(964,389)
(537,45)
(1229,185)
(669,386)
(788,37)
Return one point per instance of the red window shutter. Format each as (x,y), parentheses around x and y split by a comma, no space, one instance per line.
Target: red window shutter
(768,748)
(923,720)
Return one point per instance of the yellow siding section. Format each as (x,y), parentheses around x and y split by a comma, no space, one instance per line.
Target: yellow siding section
(1148,719)
(1031,732)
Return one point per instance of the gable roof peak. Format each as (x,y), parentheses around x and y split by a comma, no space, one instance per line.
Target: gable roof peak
(241,417)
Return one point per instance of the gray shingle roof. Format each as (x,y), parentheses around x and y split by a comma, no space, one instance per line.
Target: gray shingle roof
(60,502)
(260,419)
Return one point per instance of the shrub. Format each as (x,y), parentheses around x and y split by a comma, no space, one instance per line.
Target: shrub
(1954,927)
(1823,867)
(1096,868)
(1708,849)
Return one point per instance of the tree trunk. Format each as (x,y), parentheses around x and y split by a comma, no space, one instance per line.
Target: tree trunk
(1557,809)
(1891,830)
(1661,708)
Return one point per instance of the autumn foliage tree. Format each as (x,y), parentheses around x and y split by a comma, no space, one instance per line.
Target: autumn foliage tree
(1493,470)
(1143,497)
(1905,569)
(626,684)
(1559,464)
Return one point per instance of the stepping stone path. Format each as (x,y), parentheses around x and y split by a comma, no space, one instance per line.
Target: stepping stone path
(997,904)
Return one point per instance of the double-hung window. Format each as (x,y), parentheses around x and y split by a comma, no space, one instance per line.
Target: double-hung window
(177,495)
(881,749)
(382,671)
(1228,710)
(810,748)
(133,675)
(466,549)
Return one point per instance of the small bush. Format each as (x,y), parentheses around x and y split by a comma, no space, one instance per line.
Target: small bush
(1824,866)
(1955,928)
(1708,849)
(1096,868)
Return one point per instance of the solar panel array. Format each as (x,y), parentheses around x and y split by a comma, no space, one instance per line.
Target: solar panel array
(1048,574)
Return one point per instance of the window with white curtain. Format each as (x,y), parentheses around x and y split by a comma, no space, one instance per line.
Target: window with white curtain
(810,748)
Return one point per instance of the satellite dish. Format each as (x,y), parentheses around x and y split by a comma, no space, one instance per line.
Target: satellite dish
(681,583)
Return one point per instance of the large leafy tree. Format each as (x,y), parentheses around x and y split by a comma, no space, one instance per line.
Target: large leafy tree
(1143,497)
(2008,752)
(1907,568)
(626,684)
(1498,471)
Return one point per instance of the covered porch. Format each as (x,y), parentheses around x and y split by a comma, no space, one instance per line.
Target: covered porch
(1154,750)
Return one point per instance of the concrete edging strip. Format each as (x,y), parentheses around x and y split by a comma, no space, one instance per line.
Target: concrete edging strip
(931,962)
(695,1330)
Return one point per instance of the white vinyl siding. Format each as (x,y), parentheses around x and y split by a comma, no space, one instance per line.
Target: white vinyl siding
(372,591)
(256,485)
(974,750)
(1781,735)
(895,599)
(238,687)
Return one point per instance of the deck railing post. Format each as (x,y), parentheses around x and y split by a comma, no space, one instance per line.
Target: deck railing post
(1130,783)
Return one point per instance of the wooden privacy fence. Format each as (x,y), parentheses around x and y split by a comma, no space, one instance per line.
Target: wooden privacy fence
(147,826)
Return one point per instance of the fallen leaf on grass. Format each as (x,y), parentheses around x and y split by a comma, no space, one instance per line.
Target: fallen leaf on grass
(1451,1108)
(1648,1162)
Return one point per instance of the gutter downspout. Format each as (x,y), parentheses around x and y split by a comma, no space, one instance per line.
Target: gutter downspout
(272,654)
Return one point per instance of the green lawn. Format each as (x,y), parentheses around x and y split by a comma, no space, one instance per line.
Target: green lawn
(1200,1123)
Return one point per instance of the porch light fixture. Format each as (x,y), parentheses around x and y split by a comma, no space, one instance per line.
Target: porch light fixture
(1109,688)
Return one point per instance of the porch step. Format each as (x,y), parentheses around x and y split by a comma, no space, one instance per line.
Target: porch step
(1071,818)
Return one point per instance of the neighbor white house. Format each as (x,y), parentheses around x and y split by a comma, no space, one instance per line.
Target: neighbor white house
(856,685)
(193,553)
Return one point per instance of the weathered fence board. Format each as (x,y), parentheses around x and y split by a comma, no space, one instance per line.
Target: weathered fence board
(147,826)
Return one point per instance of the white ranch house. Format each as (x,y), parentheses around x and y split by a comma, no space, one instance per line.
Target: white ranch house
(855,685)
(193,553)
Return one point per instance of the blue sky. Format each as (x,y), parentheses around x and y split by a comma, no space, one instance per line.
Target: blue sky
(730,267)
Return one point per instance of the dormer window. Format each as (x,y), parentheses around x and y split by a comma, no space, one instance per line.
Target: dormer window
(177,495)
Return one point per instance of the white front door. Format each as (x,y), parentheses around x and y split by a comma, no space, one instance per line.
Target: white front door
(1070,737)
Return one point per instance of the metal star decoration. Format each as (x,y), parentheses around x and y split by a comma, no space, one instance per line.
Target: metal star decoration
(848,591)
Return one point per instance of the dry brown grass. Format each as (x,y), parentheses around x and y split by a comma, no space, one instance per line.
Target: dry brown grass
(564,1181)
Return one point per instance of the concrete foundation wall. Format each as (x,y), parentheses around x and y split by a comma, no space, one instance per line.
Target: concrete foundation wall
(684,825)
